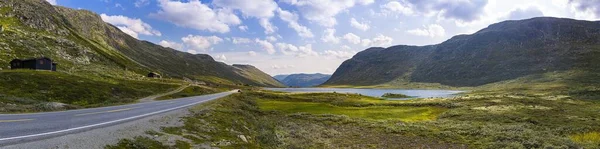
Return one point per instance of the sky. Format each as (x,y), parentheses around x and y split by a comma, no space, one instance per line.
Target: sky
(312,36)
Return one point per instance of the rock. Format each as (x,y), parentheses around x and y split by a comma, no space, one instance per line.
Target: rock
(243,138)
(55,105)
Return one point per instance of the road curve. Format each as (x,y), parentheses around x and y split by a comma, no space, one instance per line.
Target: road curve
(21,128)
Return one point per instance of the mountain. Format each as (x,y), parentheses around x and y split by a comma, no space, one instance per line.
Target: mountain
(503,51)
(303,80)
(85,45)
(255,74)
(280,77)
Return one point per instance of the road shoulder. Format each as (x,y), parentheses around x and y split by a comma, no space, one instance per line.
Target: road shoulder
(98,138)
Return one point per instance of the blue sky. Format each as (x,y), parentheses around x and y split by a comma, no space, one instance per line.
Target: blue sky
(312,36)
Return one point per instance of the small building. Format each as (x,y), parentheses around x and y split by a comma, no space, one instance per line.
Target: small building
(41,63)
(153,75)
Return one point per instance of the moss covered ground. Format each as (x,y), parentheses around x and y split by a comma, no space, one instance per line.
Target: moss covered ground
(30,91)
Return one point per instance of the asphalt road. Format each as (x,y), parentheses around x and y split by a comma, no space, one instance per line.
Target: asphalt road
(21,128)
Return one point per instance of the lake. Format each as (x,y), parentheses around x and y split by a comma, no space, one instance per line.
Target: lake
(373,92)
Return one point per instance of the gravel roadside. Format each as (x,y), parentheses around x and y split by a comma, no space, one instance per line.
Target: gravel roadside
(98,138)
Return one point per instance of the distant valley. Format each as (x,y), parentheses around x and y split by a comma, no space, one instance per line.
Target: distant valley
(302,80)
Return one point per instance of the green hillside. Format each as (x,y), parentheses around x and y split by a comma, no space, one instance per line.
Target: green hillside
(503,51)
(83,44)
(98,65)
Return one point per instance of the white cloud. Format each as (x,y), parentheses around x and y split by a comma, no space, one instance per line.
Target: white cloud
(141,3)
(267,46)
(366,42)
(365,2)
(118,5)
(433,30)
(324,11)
(397,7)
(459,10)
(200,43)
(128,31)
(239,40)
(130,26)
(262,9)
(525,13)
(329,36)
(345,47)
(285,64)
(292,19)
(269,28)
(256,8)
(196,15)
(221,58)
(192,51)
(282,67)
(358,25)
(381,41)
(339,54)
(591,8)
(352,38)
(271,38)
(227,16)
(298,51)
(170,44)
(53,2)
(306,50)
(243,28)
(286,49)
(252,53)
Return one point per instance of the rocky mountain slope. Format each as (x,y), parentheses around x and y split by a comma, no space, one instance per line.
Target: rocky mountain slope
(83,44)
(500,52)
(303,80)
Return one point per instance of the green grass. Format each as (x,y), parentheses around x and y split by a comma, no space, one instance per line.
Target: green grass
(138,143)
(27,90)
(587,138)
(480,119)
(215,80)
(219,124)
(407,114)
(192,91)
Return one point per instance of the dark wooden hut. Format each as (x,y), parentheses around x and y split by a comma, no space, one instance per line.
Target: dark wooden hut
(41,63)
(153,75)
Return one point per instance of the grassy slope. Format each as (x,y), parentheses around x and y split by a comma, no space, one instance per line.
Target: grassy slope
(497,119)
(223,122)
(28,91)
(88,50)
(500,52)
(249,71)
(150,57)
(192,91)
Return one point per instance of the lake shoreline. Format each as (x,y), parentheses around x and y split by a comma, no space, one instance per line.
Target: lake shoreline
(414,93)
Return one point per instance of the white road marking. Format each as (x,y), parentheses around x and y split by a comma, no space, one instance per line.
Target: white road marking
(100,124)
